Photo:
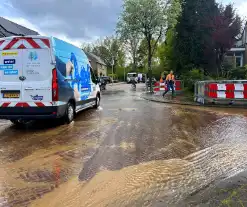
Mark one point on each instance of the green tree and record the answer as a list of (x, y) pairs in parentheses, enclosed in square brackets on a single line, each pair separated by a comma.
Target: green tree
[(190, 35), (205, 31), (142, 54), (109, 49), (148, 18), (167, 52), (225, 27), (131, 41), (87, 47)]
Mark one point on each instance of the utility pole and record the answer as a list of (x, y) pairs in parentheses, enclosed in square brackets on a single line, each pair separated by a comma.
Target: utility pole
[(124, 74), (112, 68)]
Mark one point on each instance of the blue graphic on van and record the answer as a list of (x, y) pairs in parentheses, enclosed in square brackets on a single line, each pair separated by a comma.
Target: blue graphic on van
[(9, 61), (33, 56), (72, 64), (10, 72), (6, 67), (37, 98)]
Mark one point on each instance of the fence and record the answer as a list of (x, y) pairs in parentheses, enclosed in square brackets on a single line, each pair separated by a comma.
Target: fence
[(221, 92), (159, 88)]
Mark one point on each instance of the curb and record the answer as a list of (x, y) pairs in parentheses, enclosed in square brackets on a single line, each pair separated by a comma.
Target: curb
[(193, 104), (169, 102)]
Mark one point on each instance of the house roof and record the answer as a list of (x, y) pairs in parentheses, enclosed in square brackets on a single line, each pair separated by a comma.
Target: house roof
[(93, 57), (10, 28)]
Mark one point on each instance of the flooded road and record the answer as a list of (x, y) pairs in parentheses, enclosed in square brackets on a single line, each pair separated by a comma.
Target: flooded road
[(129, 152)]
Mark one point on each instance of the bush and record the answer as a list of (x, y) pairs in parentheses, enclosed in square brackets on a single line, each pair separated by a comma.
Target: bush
[(191, 77), (238, 73)]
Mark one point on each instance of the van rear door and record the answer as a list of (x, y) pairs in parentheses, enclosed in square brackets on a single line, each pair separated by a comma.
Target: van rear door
[(37, 70), (10, 72), (25, 70)]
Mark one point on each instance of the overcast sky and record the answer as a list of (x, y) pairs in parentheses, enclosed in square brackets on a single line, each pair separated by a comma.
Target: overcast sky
[(75, 21)]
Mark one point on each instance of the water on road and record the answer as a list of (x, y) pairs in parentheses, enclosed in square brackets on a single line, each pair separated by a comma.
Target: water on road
[(129, 152)]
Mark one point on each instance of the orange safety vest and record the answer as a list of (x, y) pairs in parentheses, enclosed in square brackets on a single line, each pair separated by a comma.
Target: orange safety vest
[(169, 77)]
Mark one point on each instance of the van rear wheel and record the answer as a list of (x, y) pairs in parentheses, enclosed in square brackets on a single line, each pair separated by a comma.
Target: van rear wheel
[(70, 113)]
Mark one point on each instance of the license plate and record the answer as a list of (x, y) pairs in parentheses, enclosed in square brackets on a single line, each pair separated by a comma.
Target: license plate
[(11, 95)]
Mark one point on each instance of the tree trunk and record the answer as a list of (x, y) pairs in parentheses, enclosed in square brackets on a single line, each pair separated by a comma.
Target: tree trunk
[(217, 63), (134, 62)]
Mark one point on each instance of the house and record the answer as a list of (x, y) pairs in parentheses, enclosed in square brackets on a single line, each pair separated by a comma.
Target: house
[(9, 28), (237, 55), (97, 64)]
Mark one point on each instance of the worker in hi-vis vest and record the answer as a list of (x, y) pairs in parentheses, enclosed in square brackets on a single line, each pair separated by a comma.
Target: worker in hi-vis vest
[(170, 80), (161, 78)]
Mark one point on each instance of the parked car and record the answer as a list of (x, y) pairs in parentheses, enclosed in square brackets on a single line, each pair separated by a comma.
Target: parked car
[(44, 78), (107, 79), (102, 84)]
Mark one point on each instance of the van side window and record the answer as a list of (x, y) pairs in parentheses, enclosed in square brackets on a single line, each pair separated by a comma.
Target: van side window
[(94, 78)]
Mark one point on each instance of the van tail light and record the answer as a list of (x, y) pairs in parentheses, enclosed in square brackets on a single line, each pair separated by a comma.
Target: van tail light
[(54, 85)]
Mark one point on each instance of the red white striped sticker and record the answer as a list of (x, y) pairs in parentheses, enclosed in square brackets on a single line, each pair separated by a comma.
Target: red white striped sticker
[(24, 43), (25, 104)]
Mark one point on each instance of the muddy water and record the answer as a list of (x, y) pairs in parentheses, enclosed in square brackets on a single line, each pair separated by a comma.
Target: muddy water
[(156, 183), (128, 153)]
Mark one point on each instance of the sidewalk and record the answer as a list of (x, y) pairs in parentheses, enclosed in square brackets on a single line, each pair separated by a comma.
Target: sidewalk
[(180, 99)]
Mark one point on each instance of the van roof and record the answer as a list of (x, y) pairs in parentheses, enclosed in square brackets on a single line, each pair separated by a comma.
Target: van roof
[(32, 36)]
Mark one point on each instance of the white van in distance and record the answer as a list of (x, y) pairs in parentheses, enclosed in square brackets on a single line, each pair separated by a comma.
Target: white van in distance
[(132, 77), (44, 77)]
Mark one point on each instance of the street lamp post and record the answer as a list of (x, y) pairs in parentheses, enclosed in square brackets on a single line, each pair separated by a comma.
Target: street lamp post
[(112, 69), (124, 74)]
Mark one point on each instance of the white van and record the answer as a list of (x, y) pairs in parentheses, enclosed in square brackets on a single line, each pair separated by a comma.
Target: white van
[(44, 77), (132, 77)]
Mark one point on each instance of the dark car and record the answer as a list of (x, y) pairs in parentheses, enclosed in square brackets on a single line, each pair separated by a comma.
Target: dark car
[(102, 84), (107, 79)]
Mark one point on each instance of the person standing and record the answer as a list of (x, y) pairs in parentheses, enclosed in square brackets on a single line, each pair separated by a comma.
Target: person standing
[(161, 78), (170, 79)]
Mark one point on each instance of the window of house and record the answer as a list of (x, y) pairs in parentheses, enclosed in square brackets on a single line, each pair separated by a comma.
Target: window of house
[(239, 62), (238, 53)]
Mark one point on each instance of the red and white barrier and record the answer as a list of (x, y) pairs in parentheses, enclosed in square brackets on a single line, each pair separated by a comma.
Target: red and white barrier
[(227, 90), (161, 87), (217, 91)]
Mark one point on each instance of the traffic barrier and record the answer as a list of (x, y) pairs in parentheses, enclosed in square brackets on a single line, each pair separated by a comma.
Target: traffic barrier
[(221, 92), (159, 88)]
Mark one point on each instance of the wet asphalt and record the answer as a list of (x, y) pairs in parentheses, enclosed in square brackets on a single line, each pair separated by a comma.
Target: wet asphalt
[(128, 152)]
